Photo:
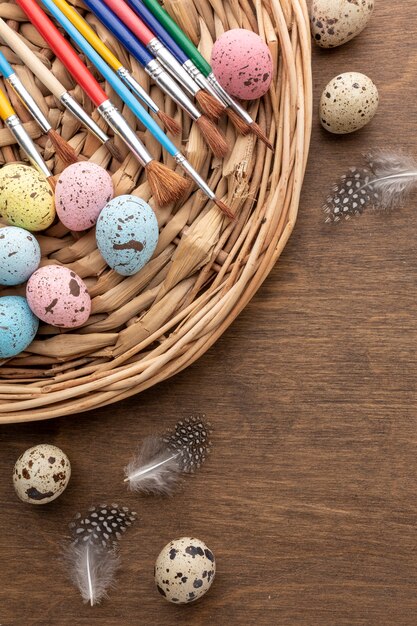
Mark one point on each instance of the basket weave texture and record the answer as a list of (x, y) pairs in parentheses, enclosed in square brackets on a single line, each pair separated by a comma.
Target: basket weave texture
[(147, 327)]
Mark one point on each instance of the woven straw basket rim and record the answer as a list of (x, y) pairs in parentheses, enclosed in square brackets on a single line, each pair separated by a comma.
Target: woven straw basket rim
[(146, 328)]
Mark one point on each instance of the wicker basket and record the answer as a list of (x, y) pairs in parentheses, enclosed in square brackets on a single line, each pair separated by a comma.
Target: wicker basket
[(146, 328)]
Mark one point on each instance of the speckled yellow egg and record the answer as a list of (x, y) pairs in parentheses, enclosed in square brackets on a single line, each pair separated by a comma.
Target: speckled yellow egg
[(41, 474), (348, 103), (26, 198), (334, 22)]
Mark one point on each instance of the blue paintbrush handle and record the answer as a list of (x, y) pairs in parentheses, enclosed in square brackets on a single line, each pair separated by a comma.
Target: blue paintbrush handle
[(112, 79), (5, 67), (156, 27), (120, 31)]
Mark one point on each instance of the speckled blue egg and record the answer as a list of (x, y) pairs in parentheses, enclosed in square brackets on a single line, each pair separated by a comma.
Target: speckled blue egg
[(127, 234), (18, 326), (20, 255)]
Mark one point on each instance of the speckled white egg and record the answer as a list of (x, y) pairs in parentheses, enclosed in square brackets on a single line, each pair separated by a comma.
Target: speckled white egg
[(127, 234), (348, 103), (18, 326), (334, 22), (20, 255), (41, 474), (184, 570)]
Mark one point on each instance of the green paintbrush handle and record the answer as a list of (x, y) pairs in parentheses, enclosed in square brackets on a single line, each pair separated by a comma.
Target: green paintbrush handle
[(177, 34)]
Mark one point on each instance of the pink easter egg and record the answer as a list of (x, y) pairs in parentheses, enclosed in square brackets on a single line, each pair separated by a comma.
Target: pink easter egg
[(82, 190), (58, 296), (242, 64)]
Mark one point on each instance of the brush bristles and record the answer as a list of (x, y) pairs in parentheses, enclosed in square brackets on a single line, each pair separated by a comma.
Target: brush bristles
[(63, 149), (115, 152), (169, 123), (52, 182), (225, 209), (239, 123), (213, 137), (210, 105), (167, 186), (257, 130)]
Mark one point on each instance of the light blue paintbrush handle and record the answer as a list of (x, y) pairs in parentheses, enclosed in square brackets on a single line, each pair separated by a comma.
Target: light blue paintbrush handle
[(112, 79), (5, 67)]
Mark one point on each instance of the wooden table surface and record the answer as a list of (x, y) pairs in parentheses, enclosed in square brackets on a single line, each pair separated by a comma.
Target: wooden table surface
[(309, 497)]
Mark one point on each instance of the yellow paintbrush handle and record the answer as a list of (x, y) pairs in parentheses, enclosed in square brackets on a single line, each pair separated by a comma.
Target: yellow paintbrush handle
[(6, 109), (86, 30)]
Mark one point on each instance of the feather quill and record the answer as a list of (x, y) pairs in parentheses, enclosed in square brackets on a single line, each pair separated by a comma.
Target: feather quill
[(384, 182), (92, 554), (158, 466)]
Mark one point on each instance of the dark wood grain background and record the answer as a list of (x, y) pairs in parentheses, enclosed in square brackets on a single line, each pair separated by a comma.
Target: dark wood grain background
[(309, 498)]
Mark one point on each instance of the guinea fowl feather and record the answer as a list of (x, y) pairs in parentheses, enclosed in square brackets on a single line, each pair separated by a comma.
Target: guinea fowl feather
[(384, 183), (158, 466), (91, 555)]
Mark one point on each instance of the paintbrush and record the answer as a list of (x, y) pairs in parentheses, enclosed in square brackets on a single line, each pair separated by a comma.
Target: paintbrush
[(13, 123), (12, 39), (154, 69), (94, 40), (132, 103), (152, 23), (63, 149), (237, 114), (167, 186), (210, 105)]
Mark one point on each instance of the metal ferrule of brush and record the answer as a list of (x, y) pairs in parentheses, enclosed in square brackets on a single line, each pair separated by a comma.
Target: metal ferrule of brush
[(201, 80), (25, 142), (120, 127), (19, 88), (187, 167), (171, 64), (77, 111), (167, 84), (228, 99), (137, 89)]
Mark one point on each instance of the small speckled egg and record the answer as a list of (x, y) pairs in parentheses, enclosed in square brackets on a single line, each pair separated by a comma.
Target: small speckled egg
[(41, 474), (242, 63), (20, 255), (18, 326), (334, 22), (348, 103), (127, 234), (58, 296), (82, 190), (26, 198), (184, 570)]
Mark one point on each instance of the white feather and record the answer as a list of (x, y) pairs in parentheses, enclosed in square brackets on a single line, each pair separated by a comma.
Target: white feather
[(154, 469), (92, 570)]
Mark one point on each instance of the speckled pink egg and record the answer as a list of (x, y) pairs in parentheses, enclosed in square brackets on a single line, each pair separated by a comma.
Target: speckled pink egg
[(242, 64), (58, 296), (82, 190)]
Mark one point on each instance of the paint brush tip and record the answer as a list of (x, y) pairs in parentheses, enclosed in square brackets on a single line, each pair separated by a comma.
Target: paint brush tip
[(213, 136), (210, 105), (114, 151), (225, 209), (239, 123), (167, 186), (62, 147), (257, 130), (169, 123)]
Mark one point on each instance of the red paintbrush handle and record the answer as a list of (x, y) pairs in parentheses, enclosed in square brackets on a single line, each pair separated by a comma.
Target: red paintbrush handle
[(64, 51), (132, 21)]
